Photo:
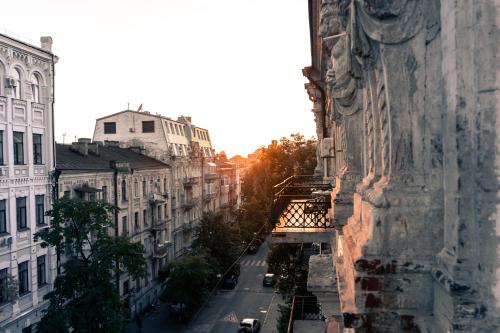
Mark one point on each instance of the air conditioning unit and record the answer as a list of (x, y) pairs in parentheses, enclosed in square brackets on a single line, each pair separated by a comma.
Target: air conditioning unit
[(10, 82), (131, 130)]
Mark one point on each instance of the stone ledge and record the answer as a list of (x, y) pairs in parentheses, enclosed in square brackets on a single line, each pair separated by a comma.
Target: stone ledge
[(321, 277)]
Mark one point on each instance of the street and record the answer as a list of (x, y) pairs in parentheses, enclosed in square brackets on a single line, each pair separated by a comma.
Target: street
[(226, 308), (248, 300)]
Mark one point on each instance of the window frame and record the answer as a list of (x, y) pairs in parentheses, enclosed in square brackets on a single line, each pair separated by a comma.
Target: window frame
[(18, 148), (18, 78), (23, 277), (148, 126), (3, 217), (4, 280), (40, 209), (41, 270), (35, 87), (37, 149), (21, 213), (106, 129), (2, 161)]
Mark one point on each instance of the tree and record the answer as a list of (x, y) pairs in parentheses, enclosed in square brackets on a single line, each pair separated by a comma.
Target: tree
[(188, 281), (282, 260), (278, 161), (219, 240), (84, 297)]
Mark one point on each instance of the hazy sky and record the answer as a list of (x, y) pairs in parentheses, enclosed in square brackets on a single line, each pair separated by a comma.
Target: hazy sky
[(233, 65)]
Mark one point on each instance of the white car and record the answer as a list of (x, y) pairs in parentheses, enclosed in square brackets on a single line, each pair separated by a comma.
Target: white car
[(249, 325)]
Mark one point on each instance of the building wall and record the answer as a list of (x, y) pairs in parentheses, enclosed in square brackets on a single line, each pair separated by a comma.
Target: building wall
[(153, 229), (405, 99), (28, 114)]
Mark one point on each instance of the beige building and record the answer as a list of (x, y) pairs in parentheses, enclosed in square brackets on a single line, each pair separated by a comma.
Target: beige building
[(406, 102), (26, 163), (183, 145), (140, 187)]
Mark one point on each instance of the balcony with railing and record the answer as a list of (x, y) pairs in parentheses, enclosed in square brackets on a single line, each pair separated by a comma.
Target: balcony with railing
[(188, 203), (211, 176), (299, 212), (210, 196), (156, 198), (306, 316), (161, 250), (159, 224), (190, 181)]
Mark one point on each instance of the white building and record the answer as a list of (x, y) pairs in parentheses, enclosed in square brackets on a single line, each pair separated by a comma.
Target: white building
[(26, 161), (185, 146)]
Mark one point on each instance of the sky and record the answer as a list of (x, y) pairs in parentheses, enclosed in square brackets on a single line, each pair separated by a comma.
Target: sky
[(234, 66)]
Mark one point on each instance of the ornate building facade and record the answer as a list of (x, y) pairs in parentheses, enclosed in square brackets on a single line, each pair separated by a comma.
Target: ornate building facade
[(406, 103), (26, 163), (140, 187)]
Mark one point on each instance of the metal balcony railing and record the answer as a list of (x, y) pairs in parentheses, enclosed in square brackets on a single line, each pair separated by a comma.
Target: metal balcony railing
[(189, 181), (160, 251), (301, 202), (156, 198), (304, 308)]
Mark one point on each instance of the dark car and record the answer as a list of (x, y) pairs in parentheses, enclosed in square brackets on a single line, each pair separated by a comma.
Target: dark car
[(249, 325), (179, 311), (268, 280), (252, 249), (230, 282)]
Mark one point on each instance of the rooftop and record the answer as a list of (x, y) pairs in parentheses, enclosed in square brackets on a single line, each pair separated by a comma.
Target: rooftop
[(68, 159)]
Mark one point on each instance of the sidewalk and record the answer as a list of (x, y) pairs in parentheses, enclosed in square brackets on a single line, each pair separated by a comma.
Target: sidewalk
[(271, 320)]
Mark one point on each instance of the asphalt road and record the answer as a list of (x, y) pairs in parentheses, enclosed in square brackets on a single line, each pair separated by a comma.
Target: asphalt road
[(248, 300)]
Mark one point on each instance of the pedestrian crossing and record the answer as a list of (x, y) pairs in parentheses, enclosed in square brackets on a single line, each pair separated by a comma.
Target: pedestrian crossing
[(255, 263)]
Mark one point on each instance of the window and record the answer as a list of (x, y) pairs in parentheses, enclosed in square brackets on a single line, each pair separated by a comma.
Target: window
[(4, 280), (165, 211), (159, 213), (67, 194), (40, 209), (18, 148), (126, 288), (37, 149), (21, 213), (3, 217), (1, 148), (105, 193), (145, 217), (40, 271), (138, 284), (136, 188), (35, 88), (148, 126), (144, 188), (165, 187), (171, 128), (18, 86), (110, 128), (125, 225), (124, 190), (23, 277), (136, 221), (177, 129)]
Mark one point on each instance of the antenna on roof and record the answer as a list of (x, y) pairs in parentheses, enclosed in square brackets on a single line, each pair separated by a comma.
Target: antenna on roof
[(140, 108), (64, 136), (128, 105)]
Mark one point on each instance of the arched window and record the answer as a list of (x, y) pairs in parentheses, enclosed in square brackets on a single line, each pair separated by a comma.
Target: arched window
[(35, 87), (17, 81)]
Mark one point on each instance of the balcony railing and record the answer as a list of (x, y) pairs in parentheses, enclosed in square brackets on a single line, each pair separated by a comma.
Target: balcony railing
[(301, 202), (211, 176), (210, 196), (188, 203), (161, 250), (159, 224), (189, 181), (156, 198), (304, 308)]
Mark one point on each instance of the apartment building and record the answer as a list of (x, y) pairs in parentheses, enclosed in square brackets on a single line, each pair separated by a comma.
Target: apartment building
[(140, 187), (26, 163), (186, 147)]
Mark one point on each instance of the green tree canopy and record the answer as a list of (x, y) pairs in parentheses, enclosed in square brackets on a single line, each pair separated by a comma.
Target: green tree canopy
[(84, 297), (188, 281), (219, 240)]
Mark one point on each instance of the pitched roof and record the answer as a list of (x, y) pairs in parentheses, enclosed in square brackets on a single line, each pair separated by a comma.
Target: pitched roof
[(69, 160)]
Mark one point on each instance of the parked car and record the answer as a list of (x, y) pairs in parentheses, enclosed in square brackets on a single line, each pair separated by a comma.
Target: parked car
[(249, 325), (230, 282), (252, 249), (268, 280)]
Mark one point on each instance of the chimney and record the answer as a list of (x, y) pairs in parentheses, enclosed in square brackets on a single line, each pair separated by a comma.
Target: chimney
[(93, 148), (46, 42), (81, 148), (85, 140)]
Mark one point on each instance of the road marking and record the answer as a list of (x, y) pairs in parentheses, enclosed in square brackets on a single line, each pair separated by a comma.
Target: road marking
[(231, 317), (244, 262)]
